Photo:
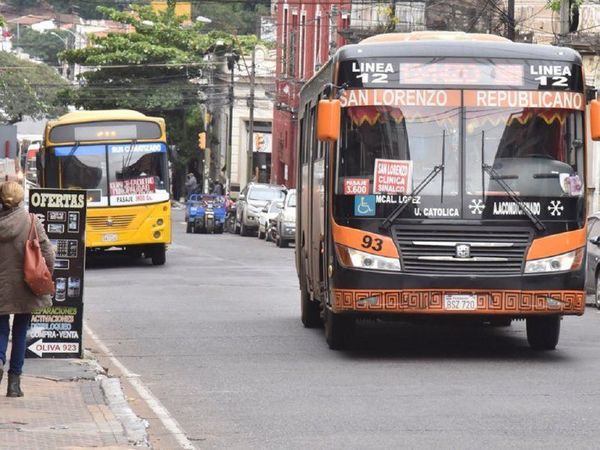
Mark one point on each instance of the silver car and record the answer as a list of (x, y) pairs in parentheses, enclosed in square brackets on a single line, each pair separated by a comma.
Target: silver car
[(286, 220), (250, 203), (268, 213)]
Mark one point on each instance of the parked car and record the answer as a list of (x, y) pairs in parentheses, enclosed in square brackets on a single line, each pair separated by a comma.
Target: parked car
[(250, 203), (592, 278), (286, 220), (270, 211)]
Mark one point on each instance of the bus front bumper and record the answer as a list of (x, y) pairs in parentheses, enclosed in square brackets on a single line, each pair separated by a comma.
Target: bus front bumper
[(515, 296), (128, 226), (488, 302)]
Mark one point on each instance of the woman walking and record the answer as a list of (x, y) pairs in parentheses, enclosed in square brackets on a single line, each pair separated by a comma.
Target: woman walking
[(15, 296)]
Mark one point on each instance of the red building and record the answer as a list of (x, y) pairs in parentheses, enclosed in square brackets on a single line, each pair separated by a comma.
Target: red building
[(307, 33)]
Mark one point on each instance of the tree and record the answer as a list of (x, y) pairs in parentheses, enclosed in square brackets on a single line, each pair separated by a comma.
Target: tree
[(28, 89), (155, 69), (233, 17), (44, 47)]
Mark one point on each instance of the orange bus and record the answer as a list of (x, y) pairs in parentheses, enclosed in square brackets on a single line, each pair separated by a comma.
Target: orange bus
[(442, 174)]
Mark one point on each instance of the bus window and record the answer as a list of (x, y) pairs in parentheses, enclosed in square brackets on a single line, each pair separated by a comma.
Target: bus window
[(535, 151), (426, 136)]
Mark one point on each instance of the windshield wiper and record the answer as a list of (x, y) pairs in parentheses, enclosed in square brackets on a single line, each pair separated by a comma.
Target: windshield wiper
[(498, 178), (69, 160), (422, 185)]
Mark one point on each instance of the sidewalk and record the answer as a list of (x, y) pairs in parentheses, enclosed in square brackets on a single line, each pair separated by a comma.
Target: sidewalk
[(68, 404)]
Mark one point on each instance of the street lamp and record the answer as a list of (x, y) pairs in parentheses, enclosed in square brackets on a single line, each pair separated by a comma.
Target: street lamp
[(65, 42)]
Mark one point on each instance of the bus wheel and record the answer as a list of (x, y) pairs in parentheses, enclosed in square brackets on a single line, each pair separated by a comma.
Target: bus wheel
[(338, 330), (310, 311), (543, 332), (159, 255), (188, 228)]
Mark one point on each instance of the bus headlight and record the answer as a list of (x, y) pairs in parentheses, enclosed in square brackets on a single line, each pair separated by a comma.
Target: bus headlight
[(559, 263), (350, 257)]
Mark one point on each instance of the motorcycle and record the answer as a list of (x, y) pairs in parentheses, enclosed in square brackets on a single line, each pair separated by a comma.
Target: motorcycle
[(271, 235), (230, 219)]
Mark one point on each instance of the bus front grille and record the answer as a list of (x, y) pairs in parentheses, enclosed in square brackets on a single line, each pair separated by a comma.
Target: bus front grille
[(107, 223), (462, 250)]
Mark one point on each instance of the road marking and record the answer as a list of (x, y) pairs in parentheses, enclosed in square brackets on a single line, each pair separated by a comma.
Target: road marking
[(154, 403)]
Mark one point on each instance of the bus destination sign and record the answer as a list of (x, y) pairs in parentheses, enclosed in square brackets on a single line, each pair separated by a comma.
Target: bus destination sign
[(504, 73)]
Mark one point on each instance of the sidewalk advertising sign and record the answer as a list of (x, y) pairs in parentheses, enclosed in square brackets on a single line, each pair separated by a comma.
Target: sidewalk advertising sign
[(56, 331)]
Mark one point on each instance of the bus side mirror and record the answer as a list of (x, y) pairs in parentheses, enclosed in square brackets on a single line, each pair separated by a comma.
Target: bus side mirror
[(595, 120), (329, 119)]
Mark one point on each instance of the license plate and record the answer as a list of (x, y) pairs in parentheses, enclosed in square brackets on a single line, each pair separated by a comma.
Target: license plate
[(110, 237), (460, 302)]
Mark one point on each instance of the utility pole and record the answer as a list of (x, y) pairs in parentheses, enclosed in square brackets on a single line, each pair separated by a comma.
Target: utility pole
[(231, 60), (250, 156), (510, 32), (333, 28), (565, 14)]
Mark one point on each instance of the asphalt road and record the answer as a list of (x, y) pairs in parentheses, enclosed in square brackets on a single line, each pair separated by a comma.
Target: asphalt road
[(216, 336)]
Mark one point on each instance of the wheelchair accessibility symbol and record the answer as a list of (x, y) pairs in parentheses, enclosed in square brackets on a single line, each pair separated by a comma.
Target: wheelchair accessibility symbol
[(364, 205)]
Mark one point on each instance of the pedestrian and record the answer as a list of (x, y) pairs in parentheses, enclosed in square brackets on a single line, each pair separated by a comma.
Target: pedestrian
[(15, 296), (218, 188), (191, 184)]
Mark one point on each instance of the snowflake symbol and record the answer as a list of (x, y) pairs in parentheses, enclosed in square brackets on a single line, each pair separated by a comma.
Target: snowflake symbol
[(477, 206), (555, 207)]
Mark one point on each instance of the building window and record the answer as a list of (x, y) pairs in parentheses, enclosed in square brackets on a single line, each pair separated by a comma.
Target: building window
[(284, 43), (293, 46), (301, 69), (317, 42)]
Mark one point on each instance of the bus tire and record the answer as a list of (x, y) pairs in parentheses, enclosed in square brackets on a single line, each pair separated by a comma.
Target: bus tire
[(310, 311), (543, 332), (188, 228), (338, 330), (159, 255)]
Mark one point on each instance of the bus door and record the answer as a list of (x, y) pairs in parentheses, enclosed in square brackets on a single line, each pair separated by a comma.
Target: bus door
[(318, 215)]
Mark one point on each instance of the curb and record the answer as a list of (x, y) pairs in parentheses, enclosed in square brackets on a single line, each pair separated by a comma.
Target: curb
[(135, 428)]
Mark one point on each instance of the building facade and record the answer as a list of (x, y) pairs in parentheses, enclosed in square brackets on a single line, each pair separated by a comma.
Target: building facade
[(307, 34), (242, 163)]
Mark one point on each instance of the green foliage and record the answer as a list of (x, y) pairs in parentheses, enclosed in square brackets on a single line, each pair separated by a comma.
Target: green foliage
[(43, 46), (233, 17), (84, 8), (153, 69), (554, 5), (28, 89)]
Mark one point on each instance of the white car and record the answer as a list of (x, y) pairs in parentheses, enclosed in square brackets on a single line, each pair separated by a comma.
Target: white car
[(268, 213), (286, 220)]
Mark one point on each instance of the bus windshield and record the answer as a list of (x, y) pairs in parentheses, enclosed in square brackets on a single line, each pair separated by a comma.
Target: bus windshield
[(422, 137), (460, 159), (117, 173), (536, 152)]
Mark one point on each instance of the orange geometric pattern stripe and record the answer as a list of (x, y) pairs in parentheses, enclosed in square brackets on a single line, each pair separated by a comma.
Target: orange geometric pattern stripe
[(428, 301)]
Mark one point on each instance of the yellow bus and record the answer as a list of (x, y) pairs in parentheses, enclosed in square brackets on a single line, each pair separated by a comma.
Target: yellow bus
[(120, 158)]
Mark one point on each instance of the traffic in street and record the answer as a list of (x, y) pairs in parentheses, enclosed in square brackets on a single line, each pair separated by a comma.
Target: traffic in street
[(215, 335)]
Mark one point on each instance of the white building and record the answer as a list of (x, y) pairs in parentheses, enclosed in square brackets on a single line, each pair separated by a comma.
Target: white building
[(242, 168)]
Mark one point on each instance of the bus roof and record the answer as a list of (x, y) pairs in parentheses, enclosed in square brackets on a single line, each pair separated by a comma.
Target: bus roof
[(434, 36), (453, 44), (101, 115)]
